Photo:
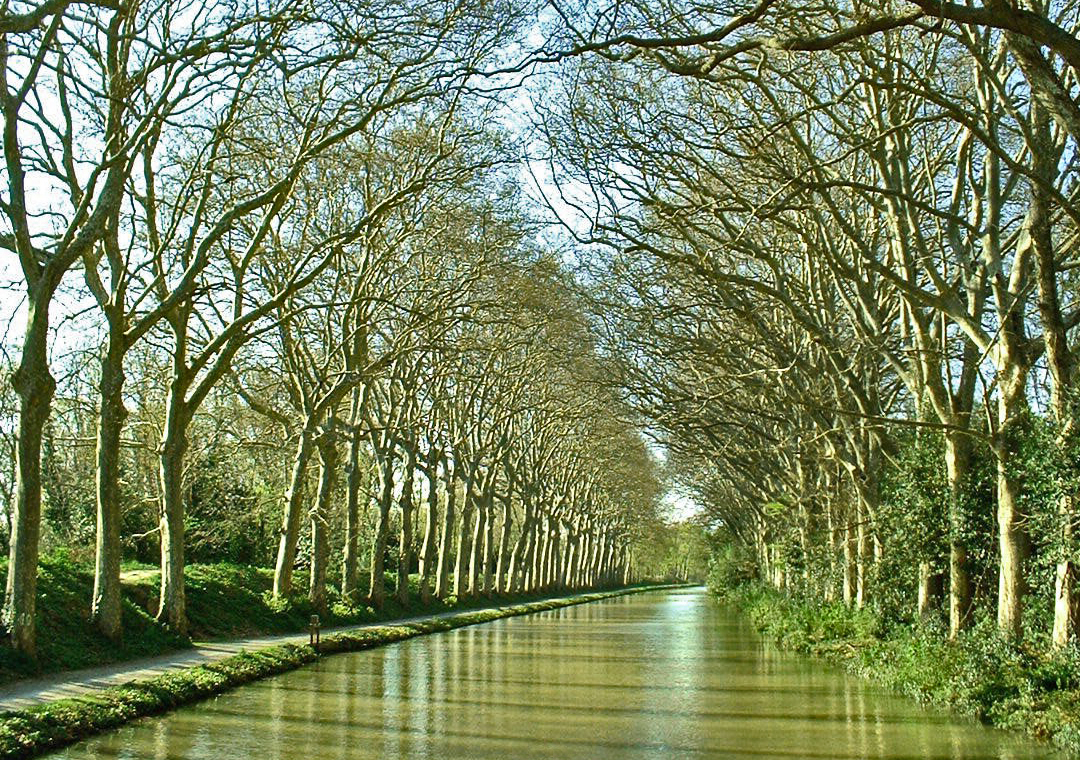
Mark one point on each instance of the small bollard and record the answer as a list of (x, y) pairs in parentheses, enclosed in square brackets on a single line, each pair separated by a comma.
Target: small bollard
[(313, 633)]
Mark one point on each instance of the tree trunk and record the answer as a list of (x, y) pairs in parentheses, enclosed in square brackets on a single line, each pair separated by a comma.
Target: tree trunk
[(446, 540), (35, 386), (350, 564), (502, 571), (464, 548), (566, 571), (1060, 362), (958, 469), (603, 570), (849, 562), (489, 544), (593, 560), (428, 570), (377, 580), (105, 606), (320, 544), (581, 551), (930, 583), (518, 554), (172, 610), (1013, 542), (476, 545), (862, 555), (528, 575), (290, 521), (543, 535), (1065, 602), (405, 543), (556, 556), (833, 549)]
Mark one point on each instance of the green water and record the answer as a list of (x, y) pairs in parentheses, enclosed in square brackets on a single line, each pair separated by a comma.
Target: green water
[(656, 675)]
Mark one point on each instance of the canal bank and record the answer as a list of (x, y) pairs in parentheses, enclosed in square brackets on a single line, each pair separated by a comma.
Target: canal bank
[(667, 674), (1019, 686), (37, 729)]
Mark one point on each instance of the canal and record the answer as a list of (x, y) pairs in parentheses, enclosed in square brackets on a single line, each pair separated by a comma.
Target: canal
[(657, 675)]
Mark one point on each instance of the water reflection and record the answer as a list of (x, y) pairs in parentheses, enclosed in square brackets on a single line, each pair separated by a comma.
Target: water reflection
[(659, 675)]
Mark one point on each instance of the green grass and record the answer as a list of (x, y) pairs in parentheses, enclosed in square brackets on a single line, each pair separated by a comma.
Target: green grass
[(1003, 683), (66, 637), (33, 731), (224, 601)]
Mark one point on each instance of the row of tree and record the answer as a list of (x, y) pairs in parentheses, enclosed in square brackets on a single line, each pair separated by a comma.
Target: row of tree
[(309, 208), (837, 249)]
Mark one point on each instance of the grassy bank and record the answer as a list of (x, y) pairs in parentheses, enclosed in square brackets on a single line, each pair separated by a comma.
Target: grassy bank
[(223, 601), (33, 731), (1008, 685)]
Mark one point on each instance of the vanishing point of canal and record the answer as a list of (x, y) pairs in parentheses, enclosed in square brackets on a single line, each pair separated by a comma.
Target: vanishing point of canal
[(656, 675)]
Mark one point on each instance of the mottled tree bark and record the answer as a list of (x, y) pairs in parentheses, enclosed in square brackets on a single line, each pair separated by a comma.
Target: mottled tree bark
[(172, 608), (1013, 541), (476, 544), (428, 550), (464, 544), (105, 604), (518, 555), (489, 544), (34, 385), (350, 561), (528, 572), (502, 571), (957, 470), (405, 542), (849, 561), (377, 579), (320, 544), (446, 539), (1061, 363), (289, 535)]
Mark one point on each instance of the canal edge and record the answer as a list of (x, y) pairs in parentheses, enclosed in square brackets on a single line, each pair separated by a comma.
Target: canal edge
[(33, 731)]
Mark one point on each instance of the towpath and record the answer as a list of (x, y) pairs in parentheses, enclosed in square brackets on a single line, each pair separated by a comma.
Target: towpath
[(73, 683)]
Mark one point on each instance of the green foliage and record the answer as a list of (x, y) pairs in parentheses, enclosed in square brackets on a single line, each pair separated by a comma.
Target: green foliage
[(915, 490), (731, 566), (230, 517), (913, 521), (674, 551), (802, 625), (67, 484)]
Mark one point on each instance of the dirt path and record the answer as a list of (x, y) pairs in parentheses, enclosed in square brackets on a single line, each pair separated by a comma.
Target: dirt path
[(74, 683)]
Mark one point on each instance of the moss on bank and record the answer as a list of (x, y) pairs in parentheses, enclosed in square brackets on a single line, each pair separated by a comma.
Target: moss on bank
[(1005, 684), (35, 730)]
